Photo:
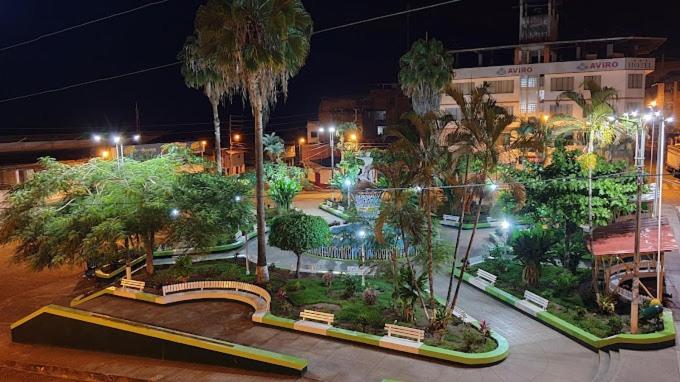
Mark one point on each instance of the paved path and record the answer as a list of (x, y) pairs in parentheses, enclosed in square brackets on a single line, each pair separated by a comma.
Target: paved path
[(331, 360)]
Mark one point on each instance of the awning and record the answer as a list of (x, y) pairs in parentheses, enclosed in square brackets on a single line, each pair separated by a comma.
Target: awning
[(618, 239)]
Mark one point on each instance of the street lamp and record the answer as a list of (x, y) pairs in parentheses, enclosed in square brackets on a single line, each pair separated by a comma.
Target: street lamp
[(238, 199), (348, 184), (331, 134), (174, 212), (362, 236)]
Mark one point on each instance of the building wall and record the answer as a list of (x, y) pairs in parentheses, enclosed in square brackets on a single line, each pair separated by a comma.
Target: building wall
[(534, 95)]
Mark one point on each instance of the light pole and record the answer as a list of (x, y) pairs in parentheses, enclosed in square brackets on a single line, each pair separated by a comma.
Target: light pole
[(639, 164), (301, 142), (238, 199), (659, 201), (331, 134), (348, 184), (118, 141), (362, 235)]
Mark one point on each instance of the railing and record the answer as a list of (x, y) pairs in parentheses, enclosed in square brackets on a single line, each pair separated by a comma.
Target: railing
[(354, 253), (625, 271)]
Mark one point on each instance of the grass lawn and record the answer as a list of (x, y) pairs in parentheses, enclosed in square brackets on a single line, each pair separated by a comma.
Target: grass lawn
[(569, 295), (345, 298)]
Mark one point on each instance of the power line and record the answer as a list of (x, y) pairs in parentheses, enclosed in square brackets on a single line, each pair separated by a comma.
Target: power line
[(73, 27), (89, 82), (177, 62), (386, 16)]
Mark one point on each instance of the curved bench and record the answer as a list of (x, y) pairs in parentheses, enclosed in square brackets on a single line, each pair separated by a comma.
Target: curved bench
[(249, 294)]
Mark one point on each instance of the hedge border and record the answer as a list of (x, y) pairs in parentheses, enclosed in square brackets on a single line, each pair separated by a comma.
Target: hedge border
[(334, 212), (649, 341)]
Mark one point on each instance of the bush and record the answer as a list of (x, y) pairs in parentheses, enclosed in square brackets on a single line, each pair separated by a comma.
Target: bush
[(370, 296), (472, 339), (231, 272), (328, 279), (293, 286), (351, 286), (615, 324), (564, 283)]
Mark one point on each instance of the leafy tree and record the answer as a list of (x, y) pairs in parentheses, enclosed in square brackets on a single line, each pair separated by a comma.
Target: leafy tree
[(209, 204), (273, 146), (531, 247), (257, 45), (200, 72), (299, 233), (408, 290), (424, 72)]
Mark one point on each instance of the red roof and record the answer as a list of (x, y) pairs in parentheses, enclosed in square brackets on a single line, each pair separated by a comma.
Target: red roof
[(619, 238)]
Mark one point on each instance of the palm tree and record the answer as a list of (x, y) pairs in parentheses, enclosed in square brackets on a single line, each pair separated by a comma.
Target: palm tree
[(199, 72), (424, 72), (420, 139), (273, 146), (478, 134), (257, 46)]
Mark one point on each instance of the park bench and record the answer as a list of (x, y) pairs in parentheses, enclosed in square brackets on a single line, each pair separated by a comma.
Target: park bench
[(536, 299), (405, 332), (317, 316), (486, 276), (341, 208), (132, 284), (450, 220)]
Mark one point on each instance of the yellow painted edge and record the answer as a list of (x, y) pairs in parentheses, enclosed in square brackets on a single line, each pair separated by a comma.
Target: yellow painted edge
[(165, 334), (79, 300)]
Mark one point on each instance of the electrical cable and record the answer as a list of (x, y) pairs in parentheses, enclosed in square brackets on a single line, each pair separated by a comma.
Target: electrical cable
[(73, 27)]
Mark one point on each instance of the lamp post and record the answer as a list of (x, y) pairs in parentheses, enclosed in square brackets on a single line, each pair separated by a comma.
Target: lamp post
[(238, 199), (301, 142), (362, 236), (348, 184), (118, 141), (331, 134), (639, 164), (658, 200)]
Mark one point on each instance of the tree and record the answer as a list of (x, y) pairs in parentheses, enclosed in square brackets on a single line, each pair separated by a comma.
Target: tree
[(200, 73), (299, 233), (477, 133), (531, 247), (424, 72), (257, 45), (97, 212), (273, 146), (285, 182)]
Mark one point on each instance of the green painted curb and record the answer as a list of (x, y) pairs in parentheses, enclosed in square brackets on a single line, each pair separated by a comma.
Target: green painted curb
[(656, 340), (334, 212), (217, 248), (350, 335), (281, 322)]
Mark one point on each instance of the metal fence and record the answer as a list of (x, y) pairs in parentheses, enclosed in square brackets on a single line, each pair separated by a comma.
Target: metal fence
[(354, 253)]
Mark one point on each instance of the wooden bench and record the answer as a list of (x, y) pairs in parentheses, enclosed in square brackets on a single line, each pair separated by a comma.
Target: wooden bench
[(317, 316), (486, 276), (218, 285), (536, 299), (404, 332), (341, 208), (132, 284), (450, 220)]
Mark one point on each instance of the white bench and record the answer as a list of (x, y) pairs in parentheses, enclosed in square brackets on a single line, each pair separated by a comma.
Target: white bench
[(328, 203), (536, 299), (132, 284), (317, 316), (486, 276), (405, 332), (341, 208), (450, 220), (218, 285)]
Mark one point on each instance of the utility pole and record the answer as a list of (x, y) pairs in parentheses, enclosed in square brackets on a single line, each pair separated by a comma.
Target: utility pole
[(230, 135), (639, 164)]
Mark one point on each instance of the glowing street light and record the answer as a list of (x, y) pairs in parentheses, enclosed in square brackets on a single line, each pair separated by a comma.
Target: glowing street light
[(505, 225), (136, 137), (97, 138), (493, 187), (301, 141), (353, 137), (105, 154), (174, 212), (348, 184), (237, 198), (237, 137), (418, 189)]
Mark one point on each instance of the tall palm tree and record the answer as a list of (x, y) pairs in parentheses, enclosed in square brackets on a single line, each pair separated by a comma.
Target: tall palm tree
[(273, 146), (257, 46), (478, 133), (420, 139), (424, 72), (200, 73)]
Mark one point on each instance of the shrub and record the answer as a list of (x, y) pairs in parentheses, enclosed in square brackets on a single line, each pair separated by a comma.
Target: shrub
[(615, 324), (370, 296), (607, 304), (564, 282), (328, 279), (281, 294), (485, 329), (362, 321), (471, 339), (351, 286)]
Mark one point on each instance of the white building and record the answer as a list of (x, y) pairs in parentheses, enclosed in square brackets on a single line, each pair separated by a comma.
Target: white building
[(533, 90)]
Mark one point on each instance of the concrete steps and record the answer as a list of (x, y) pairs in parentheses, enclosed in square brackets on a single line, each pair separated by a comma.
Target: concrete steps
[(608, 367)]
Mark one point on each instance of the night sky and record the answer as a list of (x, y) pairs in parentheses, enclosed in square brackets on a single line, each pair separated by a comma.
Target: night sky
[(341, 62)]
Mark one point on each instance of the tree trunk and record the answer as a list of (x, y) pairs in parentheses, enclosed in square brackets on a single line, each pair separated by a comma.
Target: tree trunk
[(148, 248), (430, 267), (297, 267), (218, 142), (458, 235), (261, 271), (468, 250)]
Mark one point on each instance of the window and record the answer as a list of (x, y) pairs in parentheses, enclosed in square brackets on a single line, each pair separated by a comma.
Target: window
[(464, 87), (561, 84), (381, 130), (502, 86), (380, 115), (587, 80), (528, 82), (563, 108), (314, 134), (527, 108), (635, 81)]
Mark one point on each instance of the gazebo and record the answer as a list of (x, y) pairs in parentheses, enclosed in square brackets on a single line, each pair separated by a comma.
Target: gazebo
[(613, 249)]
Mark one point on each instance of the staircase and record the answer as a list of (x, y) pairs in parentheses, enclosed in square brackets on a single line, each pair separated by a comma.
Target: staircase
[(608, 368)]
